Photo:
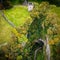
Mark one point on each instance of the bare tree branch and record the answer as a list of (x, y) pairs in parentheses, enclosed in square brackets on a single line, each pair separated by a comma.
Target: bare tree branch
[(35, 54)]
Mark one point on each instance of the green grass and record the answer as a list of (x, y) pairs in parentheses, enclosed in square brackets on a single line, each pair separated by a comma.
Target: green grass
[(18, 15), (5, 31)]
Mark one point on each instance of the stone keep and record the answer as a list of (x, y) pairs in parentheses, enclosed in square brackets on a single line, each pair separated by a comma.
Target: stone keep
[(30, 6)]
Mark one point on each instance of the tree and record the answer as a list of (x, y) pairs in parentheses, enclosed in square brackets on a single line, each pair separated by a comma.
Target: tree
[(38, 14), (45, 22)]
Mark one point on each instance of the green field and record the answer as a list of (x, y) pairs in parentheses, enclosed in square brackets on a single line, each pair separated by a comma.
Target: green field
[(18, 15)]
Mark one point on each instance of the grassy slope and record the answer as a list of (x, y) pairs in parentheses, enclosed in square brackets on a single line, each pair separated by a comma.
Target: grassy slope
[(4, 31), (18, 15)]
